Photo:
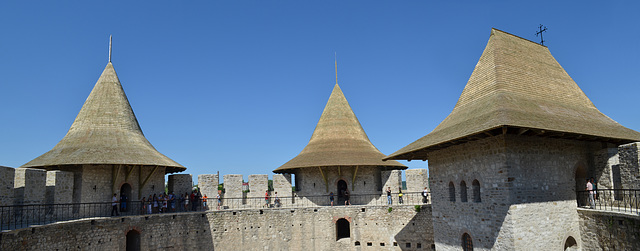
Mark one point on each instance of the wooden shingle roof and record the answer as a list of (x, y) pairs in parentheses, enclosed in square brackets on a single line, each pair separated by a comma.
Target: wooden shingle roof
[(105, 131), (338, 140), (517, 86)]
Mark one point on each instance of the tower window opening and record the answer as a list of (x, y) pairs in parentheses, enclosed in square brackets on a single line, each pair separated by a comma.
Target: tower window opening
[(463, 191), (452, 192), (476, 191)]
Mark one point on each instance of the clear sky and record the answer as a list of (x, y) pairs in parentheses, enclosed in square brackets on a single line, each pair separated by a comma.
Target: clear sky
[(238, 86)]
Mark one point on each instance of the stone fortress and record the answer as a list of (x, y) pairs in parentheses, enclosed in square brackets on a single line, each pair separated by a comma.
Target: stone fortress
[(504, 169)]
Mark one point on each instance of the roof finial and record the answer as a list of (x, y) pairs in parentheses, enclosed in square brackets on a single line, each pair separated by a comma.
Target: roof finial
[(336, 61), (540, 32), (110, 39)]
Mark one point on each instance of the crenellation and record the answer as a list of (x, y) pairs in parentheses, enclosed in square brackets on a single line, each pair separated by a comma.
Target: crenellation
[(208, 184), (391, 179), (179, 184), (7, 194), (282, 185), (59, 187), (29, 186), (258, 184), (629, 169), (232, 186)]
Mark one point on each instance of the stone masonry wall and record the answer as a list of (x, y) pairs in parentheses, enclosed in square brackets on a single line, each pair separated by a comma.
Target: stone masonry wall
[(29, 186), (179, 184), (605, 160), (370, 228), (59, 187), (208, 184), (7, 175), (527, 192), (282, 185), (630, 165), (609, 231)]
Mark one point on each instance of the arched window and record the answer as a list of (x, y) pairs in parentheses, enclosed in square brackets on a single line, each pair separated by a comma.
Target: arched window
[(342, 229), (452, 192), (463, 191), (133, 240), (570, 244), (467, 244), (476, 191)]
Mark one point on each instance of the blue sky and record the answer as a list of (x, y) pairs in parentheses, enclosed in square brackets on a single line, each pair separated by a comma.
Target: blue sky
[(238, 86)]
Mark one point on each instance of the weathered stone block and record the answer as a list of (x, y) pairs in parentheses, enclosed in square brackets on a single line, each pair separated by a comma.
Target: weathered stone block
[(208, 184)]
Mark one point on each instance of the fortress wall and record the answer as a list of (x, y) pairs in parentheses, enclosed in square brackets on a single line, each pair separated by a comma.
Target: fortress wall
[(7, 176), (59, 187), (29, 186), (417, 180), (179, 184), (371, 228), (96, 182), (629, 177), (208, 184), (188, 231), (609, 230)]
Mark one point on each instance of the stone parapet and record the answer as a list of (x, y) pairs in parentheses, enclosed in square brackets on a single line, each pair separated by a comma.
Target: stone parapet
[(208, 184), (391, 179), (417, 180), (232, 186), (7, 175), (258, 184), (179, 184), (29, 186), (59, 187)]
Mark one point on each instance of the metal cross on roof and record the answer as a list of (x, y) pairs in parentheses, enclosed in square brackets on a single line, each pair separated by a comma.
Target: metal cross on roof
[(541, 30)]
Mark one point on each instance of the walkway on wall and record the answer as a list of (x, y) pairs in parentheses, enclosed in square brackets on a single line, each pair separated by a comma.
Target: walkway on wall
[(611, 200), (22, 216)]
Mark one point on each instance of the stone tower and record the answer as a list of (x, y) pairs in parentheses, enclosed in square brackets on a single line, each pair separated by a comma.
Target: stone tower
[(106, 149), (338, 156), (505, 164)]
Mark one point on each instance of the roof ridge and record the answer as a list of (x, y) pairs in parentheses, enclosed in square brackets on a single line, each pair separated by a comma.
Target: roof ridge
[(518, 37)]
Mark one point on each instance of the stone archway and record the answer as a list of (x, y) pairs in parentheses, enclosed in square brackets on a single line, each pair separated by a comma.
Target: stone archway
[(133, 240), (570, 244), (125, 197), (343, 230)]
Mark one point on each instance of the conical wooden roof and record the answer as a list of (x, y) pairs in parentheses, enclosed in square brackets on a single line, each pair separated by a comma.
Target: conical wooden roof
[(105, 131), (338, 140), (518, 84)]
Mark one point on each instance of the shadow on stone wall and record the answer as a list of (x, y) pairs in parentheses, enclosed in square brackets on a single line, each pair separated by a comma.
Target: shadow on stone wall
[(417, 234)]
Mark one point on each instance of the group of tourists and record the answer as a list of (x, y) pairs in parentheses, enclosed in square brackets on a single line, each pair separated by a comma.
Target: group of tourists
[(162, 203)]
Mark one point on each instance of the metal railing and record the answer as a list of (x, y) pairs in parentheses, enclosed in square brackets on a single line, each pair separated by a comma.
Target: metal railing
[(620, 200), (22, 216)]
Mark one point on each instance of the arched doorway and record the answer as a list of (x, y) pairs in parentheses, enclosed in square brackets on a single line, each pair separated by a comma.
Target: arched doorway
[(570, 244), (342, 187), (133, 240), (342, 229), (125, 197), (467, 243)]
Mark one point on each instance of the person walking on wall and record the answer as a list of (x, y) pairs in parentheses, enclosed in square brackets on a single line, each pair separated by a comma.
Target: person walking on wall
[(266, 199), (186, 202), (114, 205), (219, 200), (389, 201), (277, 200), (346, 197), (331, 198), (592, 203), (595, 188), (400, 195), (425, 193)]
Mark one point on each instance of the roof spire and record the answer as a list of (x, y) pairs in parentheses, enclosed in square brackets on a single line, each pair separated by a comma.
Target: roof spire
[(110, 39), (336, 61)]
